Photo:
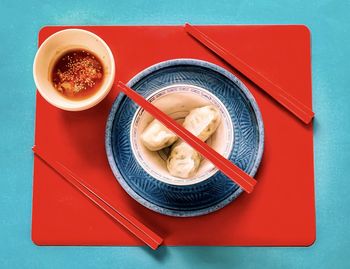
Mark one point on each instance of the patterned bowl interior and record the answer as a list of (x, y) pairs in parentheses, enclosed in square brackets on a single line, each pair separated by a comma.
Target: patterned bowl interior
[(206, 196)]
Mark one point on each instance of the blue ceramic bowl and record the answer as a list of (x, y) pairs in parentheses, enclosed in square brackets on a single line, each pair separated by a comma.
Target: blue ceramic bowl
[(208, 195)]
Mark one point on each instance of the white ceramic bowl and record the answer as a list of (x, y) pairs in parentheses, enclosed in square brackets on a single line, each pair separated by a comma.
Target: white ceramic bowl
[(176, 101), (56, 45)]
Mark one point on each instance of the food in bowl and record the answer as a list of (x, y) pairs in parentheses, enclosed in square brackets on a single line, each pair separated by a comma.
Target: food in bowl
[(156, 136), (177, 100), (203, 121), (183, 161), (77, 74), (70, 93)]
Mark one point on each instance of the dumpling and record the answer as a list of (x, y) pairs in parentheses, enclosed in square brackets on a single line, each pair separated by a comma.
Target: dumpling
[(183, 160), (156, 136), (203, 121)]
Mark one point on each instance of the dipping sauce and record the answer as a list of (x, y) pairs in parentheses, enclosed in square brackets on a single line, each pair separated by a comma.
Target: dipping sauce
[(77, 74)]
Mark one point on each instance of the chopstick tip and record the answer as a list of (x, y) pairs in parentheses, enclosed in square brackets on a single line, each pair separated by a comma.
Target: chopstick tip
[(308, 119), (155, 247), (188, 27)]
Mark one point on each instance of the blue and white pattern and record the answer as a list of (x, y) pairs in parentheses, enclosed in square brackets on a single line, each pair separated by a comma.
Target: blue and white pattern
[(213, 193)]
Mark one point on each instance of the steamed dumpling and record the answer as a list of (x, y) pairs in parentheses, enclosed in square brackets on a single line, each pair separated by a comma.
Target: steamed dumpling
[(203, 121), (183, 160), (156, 136)]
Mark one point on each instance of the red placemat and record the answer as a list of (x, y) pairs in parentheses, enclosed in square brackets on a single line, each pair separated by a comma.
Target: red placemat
[(280, 211)]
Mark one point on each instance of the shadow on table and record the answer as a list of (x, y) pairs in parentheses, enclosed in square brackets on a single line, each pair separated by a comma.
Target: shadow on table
[(159, 255), (197, 255)]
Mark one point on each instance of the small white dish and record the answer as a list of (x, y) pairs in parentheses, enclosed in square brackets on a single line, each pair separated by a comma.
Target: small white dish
[(54, 47), (176, 101)]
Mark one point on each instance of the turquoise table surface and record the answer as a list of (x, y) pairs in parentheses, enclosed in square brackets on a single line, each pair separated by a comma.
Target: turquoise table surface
[(329, 22)]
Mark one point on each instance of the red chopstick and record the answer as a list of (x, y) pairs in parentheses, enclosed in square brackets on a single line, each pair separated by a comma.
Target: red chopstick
[(245, 181), (129, 222), (300, 110)]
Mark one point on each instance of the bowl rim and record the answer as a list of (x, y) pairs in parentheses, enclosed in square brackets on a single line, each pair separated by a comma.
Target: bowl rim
[(109, 125), (171, 180), (107, 86)]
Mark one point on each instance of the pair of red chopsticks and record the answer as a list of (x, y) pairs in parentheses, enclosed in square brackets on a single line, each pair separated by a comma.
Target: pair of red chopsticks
[(232, 171), (129, 222), (281, 96)]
